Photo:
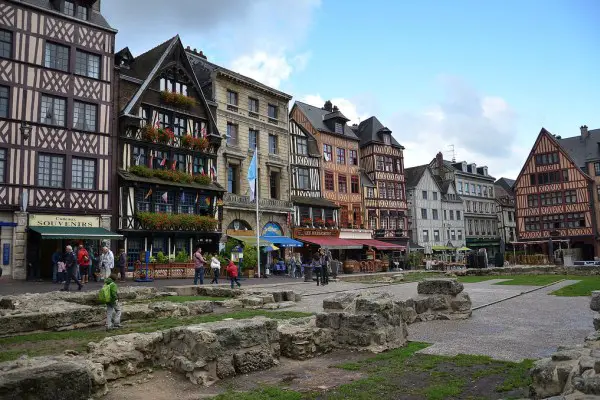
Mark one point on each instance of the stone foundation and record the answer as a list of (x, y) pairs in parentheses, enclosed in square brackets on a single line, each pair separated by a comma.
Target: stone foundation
[(530, 270), (440, 299)]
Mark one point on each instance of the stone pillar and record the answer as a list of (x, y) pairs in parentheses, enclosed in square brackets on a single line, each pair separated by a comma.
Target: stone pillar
[(105, 222), (19, 265)]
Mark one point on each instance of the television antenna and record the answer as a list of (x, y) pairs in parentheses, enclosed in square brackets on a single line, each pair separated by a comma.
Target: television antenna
[(453, 151)]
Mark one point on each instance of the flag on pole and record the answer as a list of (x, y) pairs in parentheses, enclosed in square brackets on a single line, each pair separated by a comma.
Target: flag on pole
[(174, 165), (148, 194), (163, 162), (151, 158), (189, 167), (203, 132), (213, 172), (182, 198), (196, 202), (137, 159), (165, 197), (202, 171), (252, 177)]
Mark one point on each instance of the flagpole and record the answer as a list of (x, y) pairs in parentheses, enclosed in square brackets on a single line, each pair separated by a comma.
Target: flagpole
[(256, 190)]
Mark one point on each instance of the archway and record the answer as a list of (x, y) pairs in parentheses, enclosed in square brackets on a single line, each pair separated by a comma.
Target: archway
[(272, 229), (239, 225)]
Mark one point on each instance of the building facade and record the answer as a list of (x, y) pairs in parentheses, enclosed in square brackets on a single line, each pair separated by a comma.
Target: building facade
[(436, 212), (382, 159), (250, 115), (167, 195), (56, 171), (507, 221), (555, 192), (476, 188)]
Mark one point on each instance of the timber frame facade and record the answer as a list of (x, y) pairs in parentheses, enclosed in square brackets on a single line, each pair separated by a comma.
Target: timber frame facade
[(56, 136), (553, 196), (167, 193)]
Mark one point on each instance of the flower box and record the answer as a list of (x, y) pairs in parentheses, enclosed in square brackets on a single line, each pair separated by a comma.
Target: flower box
[(307, 221), (203, 179), (150, 133), (177, 99), (165, 136), (200, 144), (176, 222)]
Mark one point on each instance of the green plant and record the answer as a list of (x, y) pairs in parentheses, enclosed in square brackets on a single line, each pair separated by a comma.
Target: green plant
[(187, 141), (183, 222), (250, 257), (177, 99), (415, 258), (142, 171), (150, 133), (202, 179), (161, 258)]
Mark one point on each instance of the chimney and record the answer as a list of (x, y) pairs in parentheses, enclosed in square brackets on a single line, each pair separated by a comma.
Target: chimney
[(188, 48), (328, 106), (335, 108), (201, 54), (439, 159), (584, 131)]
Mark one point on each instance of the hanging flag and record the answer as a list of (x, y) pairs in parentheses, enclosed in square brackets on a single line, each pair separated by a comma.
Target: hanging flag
[(137, 159), (252, 177), (165, 197), (204, 132), (189, 167), (163, 162), (148, 194), (196, 202), (213, 172), (174, 165), (151, 158), (202, 171), (182, 200)]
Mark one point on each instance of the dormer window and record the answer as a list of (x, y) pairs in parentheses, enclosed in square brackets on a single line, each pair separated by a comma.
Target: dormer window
[(171, 85), (75, 10), (386, 139), (339, 128)]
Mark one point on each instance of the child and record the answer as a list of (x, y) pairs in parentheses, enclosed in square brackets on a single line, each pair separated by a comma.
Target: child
[(113, 307), (232, 270)]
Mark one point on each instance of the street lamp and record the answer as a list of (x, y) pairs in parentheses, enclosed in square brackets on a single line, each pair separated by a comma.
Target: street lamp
[(25, 130)]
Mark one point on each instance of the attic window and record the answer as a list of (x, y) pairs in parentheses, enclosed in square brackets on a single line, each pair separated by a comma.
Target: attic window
[(339, 128), (75, 10), (171, 85), (386, 139)]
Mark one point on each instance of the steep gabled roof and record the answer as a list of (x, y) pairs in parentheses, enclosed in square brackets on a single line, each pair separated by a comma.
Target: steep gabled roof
[(413, 175), (313, 147), (371, 130), (316, 117), (365, 180), (582, 149), (506, 185), (94, 17)]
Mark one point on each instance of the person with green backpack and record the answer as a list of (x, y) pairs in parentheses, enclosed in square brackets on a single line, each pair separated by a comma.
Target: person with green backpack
[(109, 295)]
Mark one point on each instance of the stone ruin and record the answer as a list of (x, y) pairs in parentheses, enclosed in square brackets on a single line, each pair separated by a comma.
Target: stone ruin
[(206, 353), (573, 372)]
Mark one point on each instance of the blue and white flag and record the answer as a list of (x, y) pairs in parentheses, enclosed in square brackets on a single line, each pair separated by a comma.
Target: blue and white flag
[(252, 177)]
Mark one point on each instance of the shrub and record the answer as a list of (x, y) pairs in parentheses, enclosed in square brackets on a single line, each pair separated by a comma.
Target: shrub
[(177, 99), (203, 179), (177, 222), (161, 258), (250, 257), (182, 257)]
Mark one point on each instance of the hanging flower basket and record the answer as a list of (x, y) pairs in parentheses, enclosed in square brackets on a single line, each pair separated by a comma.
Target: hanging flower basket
[(177, 99), (165, 136), (150, 133), (200, 144), (187, 141)]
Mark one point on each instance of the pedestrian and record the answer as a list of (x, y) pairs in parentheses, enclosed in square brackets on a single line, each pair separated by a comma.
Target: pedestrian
[(316, 267), (56, 258), (107, 263), (109, 294), (199, 262), (232, 270), (325, 267), (83, 260), (71, 267), (215, 264), (122, 263), (93, 263)]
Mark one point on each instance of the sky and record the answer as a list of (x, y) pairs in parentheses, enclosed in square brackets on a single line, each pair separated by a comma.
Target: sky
[(473, 79)]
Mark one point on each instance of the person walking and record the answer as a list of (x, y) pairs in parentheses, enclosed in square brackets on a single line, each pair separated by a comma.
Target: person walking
[(113, 307), (215, 264), (325, 265), (232, 270), (71, 267), (107, 263), (56, 258), (122, 263), (316, 267), (199, 262), (83, 259)]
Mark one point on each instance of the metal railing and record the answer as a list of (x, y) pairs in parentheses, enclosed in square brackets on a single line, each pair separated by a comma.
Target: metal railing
[(232, 199)]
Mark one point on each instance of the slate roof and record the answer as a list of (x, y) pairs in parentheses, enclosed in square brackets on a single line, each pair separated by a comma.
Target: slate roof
[(506, 185), (95, 18), (413, 175), (316, 117), (582, 150), (370, 131), (313, 146), (365, 180), (314, 201), (128, 176), (458, 170), (337, 114), (143, 64)]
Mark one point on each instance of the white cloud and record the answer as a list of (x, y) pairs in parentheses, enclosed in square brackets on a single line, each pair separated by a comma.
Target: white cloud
[(269, 69), (347, 107)]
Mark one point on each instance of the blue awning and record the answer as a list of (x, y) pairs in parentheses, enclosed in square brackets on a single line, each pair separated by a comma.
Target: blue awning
[(282, 241), (13, 224)]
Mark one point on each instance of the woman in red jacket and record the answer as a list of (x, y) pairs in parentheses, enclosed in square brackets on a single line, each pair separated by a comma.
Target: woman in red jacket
[(232, 270)]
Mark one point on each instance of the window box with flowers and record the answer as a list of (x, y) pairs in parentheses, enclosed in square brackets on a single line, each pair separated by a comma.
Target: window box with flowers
[(190, 142), (319, 222), (306, 221), (165, 136), (176, 222), (150, 133), (169, 175), (177, 99), (330, 223)]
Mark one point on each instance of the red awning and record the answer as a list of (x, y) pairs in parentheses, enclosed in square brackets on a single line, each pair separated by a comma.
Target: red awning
[(379, 244), (331, 242)]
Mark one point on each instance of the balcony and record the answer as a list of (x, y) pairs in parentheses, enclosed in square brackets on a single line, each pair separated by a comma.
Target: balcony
[(161, 222), (236, 200), (136, 133), (389, 233)]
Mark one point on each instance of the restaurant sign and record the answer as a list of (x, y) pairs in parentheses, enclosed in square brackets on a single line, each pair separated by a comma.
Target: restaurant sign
[(69, 221), (316, 232)]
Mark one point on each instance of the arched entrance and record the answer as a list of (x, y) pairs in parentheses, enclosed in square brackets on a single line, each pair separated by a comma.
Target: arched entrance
[(239, 225), (272, 229)]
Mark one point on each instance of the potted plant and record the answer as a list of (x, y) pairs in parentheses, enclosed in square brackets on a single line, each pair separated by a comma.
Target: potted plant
[(187, 141), (177, 99), (330, 223), (250, 260), (165, 136), (306, 221), (149, 133), (319, 222), (200, 144), (202, 179)]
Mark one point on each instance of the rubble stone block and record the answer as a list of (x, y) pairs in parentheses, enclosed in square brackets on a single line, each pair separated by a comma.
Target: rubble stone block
[(595, 302), (462, 302), (440, 286), (439, 302), (199, 307), (189, 290), (277, 296), (253, 360), (339, 301), (267, 298), (252, 301), (289, 295)]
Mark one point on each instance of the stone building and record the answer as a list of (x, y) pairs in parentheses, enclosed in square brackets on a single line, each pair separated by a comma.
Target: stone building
[(250, 115), (436, 212), (507, 221), (56, 138)]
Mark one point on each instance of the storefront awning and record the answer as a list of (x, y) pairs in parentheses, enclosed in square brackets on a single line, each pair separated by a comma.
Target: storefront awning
[(379, 245), (65, 232), (442, 248), (251, 240), (282, 241), (332, 243)]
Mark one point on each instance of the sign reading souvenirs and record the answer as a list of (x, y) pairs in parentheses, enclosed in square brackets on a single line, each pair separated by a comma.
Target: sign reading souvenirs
[(64, 221), (315, 232)]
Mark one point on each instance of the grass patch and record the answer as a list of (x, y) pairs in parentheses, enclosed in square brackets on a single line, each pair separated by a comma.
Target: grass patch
[(475, 279), (265, 393), (584, 286)]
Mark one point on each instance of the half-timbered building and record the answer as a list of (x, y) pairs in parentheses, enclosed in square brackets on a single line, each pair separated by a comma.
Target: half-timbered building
[(167, 195), (56, 68), (555, 192), (382, 159), (310, 207)]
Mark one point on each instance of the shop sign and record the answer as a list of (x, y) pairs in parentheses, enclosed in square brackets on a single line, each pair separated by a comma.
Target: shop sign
[(273, 229), (70, 221), (316, 232), (234, 232)]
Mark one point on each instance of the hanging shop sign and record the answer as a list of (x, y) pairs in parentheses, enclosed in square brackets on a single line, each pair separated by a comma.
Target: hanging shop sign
[(71, 221)]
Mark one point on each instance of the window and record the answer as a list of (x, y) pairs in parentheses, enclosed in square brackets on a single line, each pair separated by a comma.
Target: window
[(470, 226), (82, 13), (434, 214), (252, 139), (436, 236), (532, 179), (139, 156), (354, 188), (302, 146), (423, 213), (480, 207), (232, 100), (273, 146), (342, 184), (53, 110), (164, 120), (160, 159), (570, 196), (327, 152), (2, 165), (69, 8), (565, 175), (329, 181), (253, 107), (550, 199), (352, 157), (473, 189), (460, 187), (379, 163), (232, 134), (435, 194), (532, 223), (83, 173), (451, 215), (179, 125), (445, 215), (303, 178), (87, 64), (382, 191), (371, 192), (4, 101), (425, 236), (386, 139), (341, 156), (232, 179), (477, 226), (468, 206), (339, 128), (553, 222), (390, 190), (424, 194), (198, 165), (388, 164), (459, 234), (532, 200), (179, 160), (485, 191), (510, 216), (274, 184), (160, 205), (546, 159), (398, 165), (453, 235), (576, 220), (479, 190), (546, 178), (398, 190), (172, 85), (457, 215), (466, 187), (56, 57), (84, 116), (51, 169), (5, 44), (273, 113)]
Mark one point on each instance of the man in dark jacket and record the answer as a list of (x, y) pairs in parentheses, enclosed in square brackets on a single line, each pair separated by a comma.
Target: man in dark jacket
[(71, 266)]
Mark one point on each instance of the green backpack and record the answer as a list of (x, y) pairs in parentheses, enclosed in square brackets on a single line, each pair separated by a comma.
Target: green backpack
[(104, 294)]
